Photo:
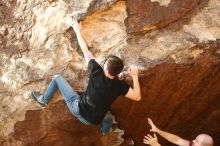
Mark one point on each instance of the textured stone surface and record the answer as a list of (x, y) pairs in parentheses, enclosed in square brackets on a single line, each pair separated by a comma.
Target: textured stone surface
[(169, 36), (148, 15), (35, 46), (162, 2), (56, 126), (175, 41)]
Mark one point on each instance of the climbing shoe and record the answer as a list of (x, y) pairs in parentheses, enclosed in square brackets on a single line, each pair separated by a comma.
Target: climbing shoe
[(37, 97)]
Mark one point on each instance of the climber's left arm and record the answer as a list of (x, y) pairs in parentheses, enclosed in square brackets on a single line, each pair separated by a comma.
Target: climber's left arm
[(135, 93), (82, 43)]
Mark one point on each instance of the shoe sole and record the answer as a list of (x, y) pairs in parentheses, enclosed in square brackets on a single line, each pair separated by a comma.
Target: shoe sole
[(35, 99)]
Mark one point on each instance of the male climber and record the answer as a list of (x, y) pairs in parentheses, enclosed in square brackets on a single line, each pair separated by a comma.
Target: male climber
[(103, 88)]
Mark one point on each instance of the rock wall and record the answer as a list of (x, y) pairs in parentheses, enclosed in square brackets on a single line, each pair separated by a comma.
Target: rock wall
[(56, 126), (175, 44), (182, 99)]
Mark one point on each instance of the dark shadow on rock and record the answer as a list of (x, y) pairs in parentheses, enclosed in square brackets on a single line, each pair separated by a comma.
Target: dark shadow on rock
[(56, 126), (146, 16), (181, 98)]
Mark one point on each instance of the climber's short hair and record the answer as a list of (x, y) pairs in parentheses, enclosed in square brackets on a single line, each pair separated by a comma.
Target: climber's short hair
[(114, 65)]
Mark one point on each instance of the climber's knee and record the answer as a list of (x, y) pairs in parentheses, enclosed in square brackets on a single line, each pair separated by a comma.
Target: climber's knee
[(56, 76)]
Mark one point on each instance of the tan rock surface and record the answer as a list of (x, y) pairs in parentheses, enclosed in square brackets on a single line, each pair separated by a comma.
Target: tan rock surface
[(36, 42)]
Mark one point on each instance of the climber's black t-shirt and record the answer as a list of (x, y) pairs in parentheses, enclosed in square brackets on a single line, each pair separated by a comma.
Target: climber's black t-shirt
[(100, 94)]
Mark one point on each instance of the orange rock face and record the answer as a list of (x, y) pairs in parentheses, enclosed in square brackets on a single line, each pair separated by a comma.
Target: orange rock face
[(183, 99)]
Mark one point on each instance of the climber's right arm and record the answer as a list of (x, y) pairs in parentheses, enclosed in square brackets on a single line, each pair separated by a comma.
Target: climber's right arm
[(82, 43)]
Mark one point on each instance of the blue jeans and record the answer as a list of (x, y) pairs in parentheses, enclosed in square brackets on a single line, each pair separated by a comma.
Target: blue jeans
[(72, 99), (70, 96), (106, 123)]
